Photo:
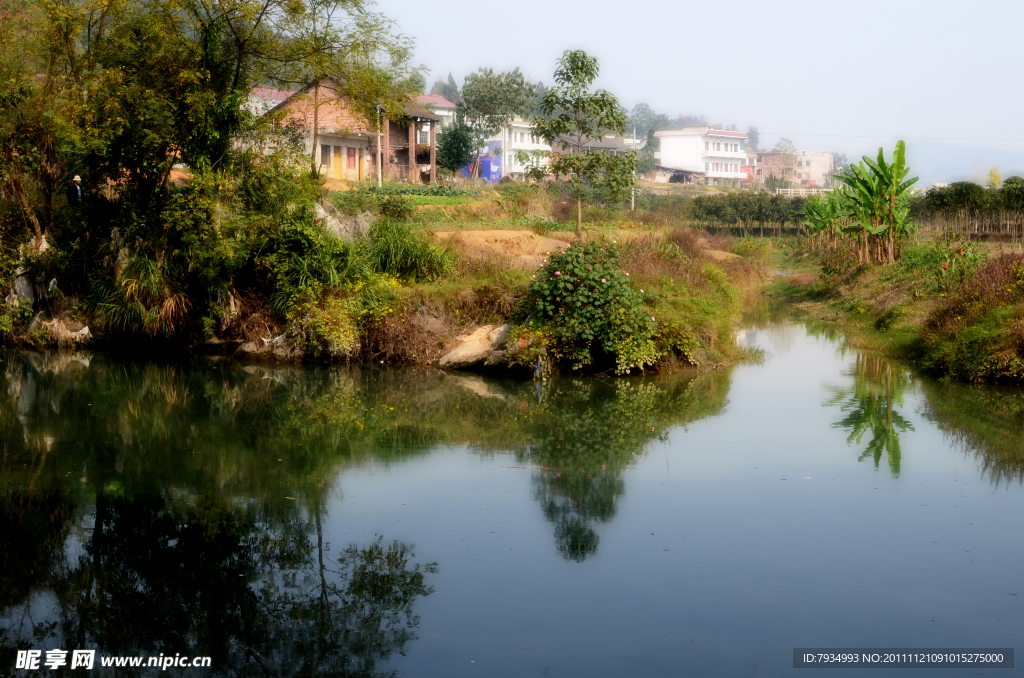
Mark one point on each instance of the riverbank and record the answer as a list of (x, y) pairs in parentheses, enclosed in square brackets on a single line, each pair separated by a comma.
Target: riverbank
[(406, 275), (951, 308)]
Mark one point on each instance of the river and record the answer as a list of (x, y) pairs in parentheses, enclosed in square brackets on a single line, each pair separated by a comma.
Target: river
[(375, 521)]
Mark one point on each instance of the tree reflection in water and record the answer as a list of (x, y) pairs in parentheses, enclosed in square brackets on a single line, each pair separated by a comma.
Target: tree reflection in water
[(985, 421), (152, 508), (140, 514), (587, 432), (870, 404)]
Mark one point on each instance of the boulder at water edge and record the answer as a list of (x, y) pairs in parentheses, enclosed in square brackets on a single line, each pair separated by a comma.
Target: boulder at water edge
[(476, 347)]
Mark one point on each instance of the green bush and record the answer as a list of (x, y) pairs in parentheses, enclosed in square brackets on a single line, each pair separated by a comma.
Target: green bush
[(299, 260), (395, 207), (838, 259), (756, 249), (437, 190), (396, 249), (351, 203), (585, 301)]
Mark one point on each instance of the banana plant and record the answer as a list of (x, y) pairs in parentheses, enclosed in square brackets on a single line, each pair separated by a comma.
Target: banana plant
[(894, 187)]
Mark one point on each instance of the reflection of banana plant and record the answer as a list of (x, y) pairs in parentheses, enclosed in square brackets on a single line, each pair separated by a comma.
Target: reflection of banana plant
[(870, 405)]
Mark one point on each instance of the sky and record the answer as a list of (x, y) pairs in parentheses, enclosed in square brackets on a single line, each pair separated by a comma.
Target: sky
[(845, 77)]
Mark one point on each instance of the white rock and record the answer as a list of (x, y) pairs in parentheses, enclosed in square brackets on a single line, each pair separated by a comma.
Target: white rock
[(476, 347)]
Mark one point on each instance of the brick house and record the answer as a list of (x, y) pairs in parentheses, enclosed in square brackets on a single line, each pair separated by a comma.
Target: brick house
[(346, 141)]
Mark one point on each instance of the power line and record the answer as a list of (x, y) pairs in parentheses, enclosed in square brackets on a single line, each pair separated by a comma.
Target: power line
[(885, 136)]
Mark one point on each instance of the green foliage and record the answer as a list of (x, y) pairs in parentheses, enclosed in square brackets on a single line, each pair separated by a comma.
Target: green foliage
[(584, 301), (755, 249), (328, 326), (456, 145), (436, 190), (396, 249), (395, 207), (571, 116), (837, 259), (300, 261)]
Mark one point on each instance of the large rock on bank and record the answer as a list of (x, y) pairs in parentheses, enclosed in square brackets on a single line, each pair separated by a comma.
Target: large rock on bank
[(476, 347), (340, 226)]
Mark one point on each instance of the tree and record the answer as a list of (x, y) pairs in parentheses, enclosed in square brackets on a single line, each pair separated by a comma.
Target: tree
[(690, 121), (455, 145), (490, 101), (646, 121), (449, 90), (753, 138), (572, 116), (994, 179), (784, 145)]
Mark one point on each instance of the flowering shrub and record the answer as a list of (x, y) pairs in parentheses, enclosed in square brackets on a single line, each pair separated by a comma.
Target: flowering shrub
[(837, 259), (587, 301)]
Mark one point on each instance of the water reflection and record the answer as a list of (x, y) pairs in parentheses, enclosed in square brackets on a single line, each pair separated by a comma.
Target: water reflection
[(986, 421), (587, 432), (151, 508), (871, 406)]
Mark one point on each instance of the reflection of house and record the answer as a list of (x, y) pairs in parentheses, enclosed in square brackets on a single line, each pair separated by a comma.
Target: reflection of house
[(347, 142), (703, 155)]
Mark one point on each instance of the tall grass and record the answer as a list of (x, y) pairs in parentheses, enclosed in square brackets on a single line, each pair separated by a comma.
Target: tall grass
[(397, 249)]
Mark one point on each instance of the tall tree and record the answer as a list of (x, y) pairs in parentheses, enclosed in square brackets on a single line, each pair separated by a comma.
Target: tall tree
[(571, 117), (490, 101), (753, 138), (449, 90)]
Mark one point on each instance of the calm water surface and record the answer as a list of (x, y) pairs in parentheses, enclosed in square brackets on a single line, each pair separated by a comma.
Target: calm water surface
[(362, 521)]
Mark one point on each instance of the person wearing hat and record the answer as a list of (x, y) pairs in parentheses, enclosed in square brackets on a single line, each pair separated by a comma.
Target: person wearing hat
[(75, 192)]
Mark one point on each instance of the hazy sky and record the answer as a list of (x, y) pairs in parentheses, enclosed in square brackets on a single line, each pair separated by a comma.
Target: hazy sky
[(831, 76)]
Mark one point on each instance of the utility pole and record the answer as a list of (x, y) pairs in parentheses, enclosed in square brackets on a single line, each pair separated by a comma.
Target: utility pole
[(632, 189), (380, 152)]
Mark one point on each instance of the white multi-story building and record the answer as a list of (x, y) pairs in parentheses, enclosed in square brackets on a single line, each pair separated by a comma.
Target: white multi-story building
[(701, 153), (518, 137), (813, 168)]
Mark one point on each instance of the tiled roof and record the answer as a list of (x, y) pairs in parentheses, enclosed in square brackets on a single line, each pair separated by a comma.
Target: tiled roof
[(435, 100)]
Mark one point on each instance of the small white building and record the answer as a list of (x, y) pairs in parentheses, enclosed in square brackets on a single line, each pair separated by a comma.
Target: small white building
[(813, 168), (714, 155)]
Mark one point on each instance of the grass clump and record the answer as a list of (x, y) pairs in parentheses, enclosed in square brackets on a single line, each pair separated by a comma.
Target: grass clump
[(397, 249)]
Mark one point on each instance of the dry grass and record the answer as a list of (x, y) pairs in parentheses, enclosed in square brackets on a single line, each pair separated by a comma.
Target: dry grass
[(255, 322)]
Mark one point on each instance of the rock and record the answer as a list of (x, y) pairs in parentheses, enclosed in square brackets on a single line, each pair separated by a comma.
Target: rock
[(496, 358), (23, 287), (476, 347), (346, 228), (248, 347), (35, 323)]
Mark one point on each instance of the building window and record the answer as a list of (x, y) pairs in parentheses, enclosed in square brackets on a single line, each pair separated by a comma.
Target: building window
[(350, 156), (707, 145), (707, 166), (325, 155)]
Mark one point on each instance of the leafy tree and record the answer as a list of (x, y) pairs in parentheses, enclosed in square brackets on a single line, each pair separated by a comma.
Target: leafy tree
[(690, 121), (571, 116), (490, 101), (645, 121), (753, 138), (784, 145), (449, 90), (994, 179), (455, 145)]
